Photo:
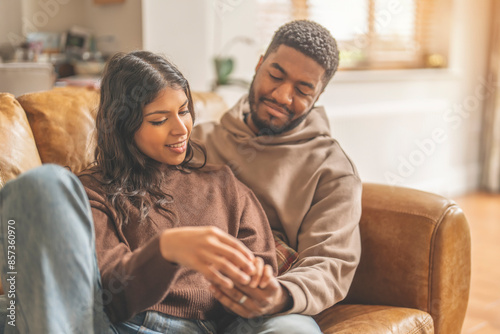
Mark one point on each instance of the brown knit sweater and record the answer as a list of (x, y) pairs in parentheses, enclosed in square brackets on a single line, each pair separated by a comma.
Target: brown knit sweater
[(135, 277)]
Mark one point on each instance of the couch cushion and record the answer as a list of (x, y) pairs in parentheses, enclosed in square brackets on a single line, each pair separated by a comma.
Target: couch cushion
[(63, 123), (18, 151), (374, 319)]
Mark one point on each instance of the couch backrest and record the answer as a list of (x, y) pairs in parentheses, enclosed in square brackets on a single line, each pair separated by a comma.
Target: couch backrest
[(18, 151), (61, 122)]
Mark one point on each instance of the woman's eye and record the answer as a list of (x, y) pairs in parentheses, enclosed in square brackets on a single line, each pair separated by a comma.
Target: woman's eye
[(157, 123), (184, 112)]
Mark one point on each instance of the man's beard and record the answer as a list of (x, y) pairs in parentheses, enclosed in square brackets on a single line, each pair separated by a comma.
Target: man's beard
[(266, 128)]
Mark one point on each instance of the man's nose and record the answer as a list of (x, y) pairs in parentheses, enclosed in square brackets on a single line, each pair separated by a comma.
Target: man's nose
[(283, 94)]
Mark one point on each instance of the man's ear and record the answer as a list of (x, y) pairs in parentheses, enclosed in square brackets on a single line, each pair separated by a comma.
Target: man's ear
[(259, 63), (317, 97)]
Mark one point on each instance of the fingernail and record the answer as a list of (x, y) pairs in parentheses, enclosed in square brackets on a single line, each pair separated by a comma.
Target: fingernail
[(246, 279)]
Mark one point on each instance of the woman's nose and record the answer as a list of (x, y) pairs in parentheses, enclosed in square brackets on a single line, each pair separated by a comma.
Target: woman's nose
[(179, 128)]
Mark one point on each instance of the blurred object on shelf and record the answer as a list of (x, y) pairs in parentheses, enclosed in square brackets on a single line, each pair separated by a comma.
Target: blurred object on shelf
[(50, 41), (76, 41), (28, 52), (88, 67), (224, 64), (7, 52), (26, 77), (89, 81), (435, 60)]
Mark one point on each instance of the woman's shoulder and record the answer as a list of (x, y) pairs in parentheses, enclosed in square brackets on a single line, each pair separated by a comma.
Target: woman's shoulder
[(222, 176), (91, 178), (215, 171)]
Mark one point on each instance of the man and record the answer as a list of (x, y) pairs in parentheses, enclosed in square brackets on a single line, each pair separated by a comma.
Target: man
[(278, 143)]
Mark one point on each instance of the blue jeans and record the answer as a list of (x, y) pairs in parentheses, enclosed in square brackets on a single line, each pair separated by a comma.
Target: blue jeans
[(49, 268)]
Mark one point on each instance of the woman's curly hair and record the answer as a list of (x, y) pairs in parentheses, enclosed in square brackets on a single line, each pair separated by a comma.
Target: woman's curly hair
[(131, 81)]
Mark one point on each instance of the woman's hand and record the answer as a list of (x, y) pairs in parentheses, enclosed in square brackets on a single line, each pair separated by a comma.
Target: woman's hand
[(218, 256)]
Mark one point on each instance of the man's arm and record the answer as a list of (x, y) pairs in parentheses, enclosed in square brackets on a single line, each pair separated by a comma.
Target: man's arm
[(329, 251), (329, 247)]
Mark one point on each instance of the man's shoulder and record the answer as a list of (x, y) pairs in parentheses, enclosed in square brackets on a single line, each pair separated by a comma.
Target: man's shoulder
[(333, 157), (202, 130)]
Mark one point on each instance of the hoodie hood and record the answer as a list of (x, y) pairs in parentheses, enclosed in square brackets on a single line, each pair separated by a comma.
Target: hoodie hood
[(315, 125)]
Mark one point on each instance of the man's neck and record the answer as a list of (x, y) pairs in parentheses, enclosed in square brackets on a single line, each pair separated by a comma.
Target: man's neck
[(249, 122)]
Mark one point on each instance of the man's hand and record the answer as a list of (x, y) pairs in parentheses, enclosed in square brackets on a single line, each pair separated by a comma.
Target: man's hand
[(253, 300)]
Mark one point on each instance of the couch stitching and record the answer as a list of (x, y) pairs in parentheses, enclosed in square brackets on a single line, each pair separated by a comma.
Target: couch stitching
[(432, 220), (431, 256)]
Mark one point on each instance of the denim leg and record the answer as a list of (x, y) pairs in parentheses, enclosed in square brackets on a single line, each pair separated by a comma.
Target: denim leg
[(285, 324), (51, 270), (151, 322)]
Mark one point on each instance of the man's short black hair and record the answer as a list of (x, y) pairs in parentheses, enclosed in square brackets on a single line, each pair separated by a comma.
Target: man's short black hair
[(311, 39)]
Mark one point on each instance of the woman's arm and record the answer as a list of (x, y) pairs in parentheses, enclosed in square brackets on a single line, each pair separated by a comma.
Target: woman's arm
[(131, 280)]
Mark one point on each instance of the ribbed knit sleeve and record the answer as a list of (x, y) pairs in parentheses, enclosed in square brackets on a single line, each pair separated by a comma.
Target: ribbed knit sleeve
[(254, 230), (132, 281)]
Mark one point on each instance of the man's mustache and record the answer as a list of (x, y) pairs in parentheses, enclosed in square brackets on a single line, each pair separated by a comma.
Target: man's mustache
[(281, 106)]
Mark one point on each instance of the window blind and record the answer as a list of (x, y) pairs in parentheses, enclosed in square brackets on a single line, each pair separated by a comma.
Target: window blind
[(371, 34)]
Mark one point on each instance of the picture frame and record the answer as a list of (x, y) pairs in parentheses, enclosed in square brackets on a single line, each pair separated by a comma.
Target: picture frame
[(76, 40)]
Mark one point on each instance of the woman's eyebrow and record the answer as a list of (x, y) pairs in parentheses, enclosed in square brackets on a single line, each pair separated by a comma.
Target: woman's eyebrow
[(166, 111)]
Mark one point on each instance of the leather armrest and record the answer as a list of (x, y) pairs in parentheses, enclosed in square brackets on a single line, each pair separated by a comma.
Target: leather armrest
[(415, 254), (373, 319)]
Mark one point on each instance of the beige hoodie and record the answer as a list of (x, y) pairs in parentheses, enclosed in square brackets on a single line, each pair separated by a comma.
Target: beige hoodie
[(309, 189)]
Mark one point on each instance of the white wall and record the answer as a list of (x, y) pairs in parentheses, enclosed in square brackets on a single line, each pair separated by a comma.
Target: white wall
[(183, 31)]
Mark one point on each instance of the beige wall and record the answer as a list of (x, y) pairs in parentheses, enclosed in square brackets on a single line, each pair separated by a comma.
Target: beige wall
[(10, 23), (118, 27), (123, 21)]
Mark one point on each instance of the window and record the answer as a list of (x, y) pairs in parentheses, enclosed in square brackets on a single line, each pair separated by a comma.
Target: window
[(371, 34)]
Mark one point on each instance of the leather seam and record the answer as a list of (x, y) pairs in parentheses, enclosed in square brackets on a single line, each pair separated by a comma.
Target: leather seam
[(431, 256), (418, 214)]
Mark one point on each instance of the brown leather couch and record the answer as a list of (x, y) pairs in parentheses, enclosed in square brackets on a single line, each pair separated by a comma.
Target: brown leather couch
[(414, 273)]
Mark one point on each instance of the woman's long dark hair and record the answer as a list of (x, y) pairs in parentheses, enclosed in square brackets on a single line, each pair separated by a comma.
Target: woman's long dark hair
[(131, 81)]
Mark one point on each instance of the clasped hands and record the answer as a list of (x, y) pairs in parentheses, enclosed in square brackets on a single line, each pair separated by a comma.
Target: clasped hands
[(239, 280)]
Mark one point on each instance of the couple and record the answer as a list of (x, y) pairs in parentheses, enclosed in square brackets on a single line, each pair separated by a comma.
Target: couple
[(158, 241)]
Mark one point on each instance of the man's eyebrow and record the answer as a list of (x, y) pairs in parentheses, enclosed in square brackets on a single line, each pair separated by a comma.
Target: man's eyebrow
[(282, 70), (279, 68), (165, 111)]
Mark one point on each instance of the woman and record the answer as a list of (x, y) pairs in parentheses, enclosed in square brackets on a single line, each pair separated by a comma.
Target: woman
[(165, 229), (151, 205)]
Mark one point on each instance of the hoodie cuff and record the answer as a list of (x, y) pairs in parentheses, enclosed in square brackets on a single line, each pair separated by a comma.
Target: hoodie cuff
[(299, 298)]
